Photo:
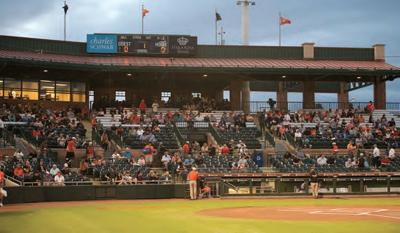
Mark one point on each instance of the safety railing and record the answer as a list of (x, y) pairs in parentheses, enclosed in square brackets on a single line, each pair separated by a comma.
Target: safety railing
[(260, 106), (301, 185)]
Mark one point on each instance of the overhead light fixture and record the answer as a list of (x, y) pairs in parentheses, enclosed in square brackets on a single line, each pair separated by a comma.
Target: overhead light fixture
[(129, 74), (283, 76), (45, 71), (358, 77), (205, 75)]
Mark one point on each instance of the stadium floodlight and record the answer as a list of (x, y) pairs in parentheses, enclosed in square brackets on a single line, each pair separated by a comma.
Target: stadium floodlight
[(245, 19)]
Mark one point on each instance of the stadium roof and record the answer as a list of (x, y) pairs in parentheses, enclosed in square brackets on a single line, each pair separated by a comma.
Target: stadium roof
[(218, 59), (226, 64)]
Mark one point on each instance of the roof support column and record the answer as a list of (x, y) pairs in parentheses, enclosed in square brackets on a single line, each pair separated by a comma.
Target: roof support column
[(235, 94), (379, 93), (282, 96), (246, 97), (343, 96), (309, 94)]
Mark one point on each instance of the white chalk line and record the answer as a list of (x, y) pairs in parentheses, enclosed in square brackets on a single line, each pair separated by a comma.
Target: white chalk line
[(345, 211)]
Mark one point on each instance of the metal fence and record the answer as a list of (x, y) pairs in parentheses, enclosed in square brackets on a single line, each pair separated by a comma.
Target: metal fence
[(259, 106), (300, 186)]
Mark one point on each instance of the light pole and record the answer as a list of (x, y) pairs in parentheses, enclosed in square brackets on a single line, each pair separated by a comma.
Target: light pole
[(221, 34), (245, 19)]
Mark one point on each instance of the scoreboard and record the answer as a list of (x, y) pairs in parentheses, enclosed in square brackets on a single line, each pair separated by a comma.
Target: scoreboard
[(142, 44), (138, 44)]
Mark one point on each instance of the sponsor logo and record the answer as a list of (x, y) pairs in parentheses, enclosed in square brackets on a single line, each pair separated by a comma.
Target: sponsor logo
[(182, 41), (101, 43)]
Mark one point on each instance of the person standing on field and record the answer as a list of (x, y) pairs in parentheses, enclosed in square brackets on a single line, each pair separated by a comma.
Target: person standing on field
[(192, 177), (314, 182)]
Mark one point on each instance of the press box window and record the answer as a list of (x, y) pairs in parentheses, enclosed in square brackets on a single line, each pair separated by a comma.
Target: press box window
[(166, 96), (47, 88), (196, 95), (120, 96), (63, 91), (78, 92), (12, 88), (30, 90)]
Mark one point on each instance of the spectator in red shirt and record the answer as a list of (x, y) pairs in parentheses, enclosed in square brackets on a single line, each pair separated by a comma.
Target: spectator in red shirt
[(71, 146), (335, 148), (36, 134), (142, 107), (19, 172), (186, 148), (148, 152), (370, 107), (225, 150)]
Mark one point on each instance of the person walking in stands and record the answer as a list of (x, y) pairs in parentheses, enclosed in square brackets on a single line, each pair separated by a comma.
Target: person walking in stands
[(376, 155), (186, 148), (148, 152), (192, 178), (142, 107), (314, 182), (71, 147), (370, 107)]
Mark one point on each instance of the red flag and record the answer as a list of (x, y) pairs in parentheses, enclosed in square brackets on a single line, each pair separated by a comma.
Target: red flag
[(144, 12), (283, 21)]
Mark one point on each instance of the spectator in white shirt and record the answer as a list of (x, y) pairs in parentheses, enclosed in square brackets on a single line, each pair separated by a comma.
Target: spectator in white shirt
[(166, 158), (242, 163), (59, 179), (392, 153), (376, 153), (322, 160), (140, 131), (297, 135), (18, 154), (115, 155), (54, 170), (348, 163)]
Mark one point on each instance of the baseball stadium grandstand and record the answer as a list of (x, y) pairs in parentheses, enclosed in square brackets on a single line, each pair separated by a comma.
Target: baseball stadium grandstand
[(167, 133), (74, 114)]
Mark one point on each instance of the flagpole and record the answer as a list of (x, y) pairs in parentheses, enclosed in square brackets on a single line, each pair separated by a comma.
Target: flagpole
[(216, 27), (280, 30), (65, 21), (142, 19)]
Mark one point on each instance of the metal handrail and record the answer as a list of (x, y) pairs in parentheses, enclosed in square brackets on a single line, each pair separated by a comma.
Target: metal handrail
[(20, 183), (260, 106), (79, 183)]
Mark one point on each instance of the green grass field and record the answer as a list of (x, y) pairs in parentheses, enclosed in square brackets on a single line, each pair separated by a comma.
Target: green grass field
[(181, 216)]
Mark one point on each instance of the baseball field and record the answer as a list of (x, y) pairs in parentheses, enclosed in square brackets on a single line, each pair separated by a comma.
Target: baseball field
[(363, 215)]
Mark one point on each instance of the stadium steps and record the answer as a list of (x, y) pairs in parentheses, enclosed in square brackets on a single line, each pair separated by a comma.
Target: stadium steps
[(281, 147), (25, 147), (88, 126)]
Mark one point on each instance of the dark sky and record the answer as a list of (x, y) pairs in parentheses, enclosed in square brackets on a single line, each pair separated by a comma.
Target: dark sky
[(345, 23)]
